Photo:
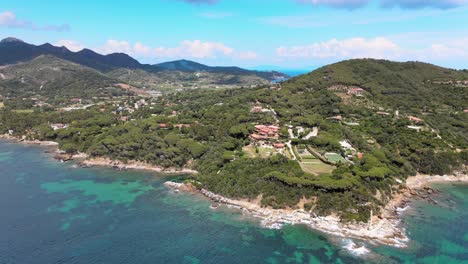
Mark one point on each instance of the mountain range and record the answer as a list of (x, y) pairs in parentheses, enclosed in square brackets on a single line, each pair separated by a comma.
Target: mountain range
[(13, 50)]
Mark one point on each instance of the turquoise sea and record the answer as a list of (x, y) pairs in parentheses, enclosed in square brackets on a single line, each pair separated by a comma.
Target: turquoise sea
[(57, 213)]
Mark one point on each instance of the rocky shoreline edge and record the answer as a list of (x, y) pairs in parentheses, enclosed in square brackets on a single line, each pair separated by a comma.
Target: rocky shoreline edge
[(384, 229), (83, 160)]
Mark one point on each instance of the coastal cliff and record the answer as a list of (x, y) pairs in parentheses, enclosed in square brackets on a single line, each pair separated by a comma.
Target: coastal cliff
[(384, 228)]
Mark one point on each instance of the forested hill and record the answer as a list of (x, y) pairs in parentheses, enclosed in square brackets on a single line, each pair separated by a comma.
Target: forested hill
[(338, 140), (13, 51), (50, 76), (407, 85), (191, 66)]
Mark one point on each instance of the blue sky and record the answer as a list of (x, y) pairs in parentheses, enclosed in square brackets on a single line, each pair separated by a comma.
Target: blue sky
[(249, 33)]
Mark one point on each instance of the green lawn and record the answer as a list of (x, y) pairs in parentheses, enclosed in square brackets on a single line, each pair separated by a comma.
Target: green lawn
[(335, 158), (316, 167), (23, 111), (262, 152)]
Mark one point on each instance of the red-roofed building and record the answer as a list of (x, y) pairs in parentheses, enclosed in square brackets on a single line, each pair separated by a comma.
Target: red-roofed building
[(278, 145), (265, 132), (415, 119), (180, 126)]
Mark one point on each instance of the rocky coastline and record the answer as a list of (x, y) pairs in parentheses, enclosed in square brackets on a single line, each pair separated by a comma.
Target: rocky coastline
[(134, 165), (85, 161), (383, 229)]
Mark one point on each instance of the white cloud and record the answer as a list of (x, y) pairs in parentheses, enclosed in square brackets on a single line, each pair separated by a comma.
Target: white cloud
[(113, 46), (410, 4), (415, 4), (70, 44), (9, 19), (196, 49), (343, 49), (443, 51)]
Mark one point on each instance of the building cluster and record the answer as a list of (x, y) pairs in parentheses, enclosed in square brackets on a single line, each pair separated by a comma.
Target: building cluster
[(140, 103), (463, 83), (356, 91), (350, 90), (264, 132), (58, 126), (259, 109)]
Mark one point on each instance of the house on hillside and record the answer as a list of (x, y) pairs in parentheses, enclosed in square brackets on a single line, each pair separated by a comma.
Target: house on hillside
[(336, 118), (415, 119), (356, 91), (263, 132), (180, 126), (382, 113), (278, 145), (58, 126), (76, 100), (256, 109)]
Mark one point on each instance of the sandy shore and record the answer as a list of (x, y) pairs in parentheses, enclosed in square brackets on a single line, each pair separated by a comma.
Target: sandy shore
[(383, 229), (134, 165), (31, 142), (420, 181)]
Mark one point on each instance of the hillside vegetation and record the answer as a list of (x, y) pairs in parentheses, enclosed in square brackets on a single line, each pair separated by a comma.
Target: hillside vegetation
[(51, 76), (407, 119)]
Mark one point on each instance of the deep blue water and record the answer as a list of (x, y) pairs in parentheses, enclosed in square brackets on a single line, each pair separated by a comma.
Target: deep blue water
[(56, 213), (294, 73)]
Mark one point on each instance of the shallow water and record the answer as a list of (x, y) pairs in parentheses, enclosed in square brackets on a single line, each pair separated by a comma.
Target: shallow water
[(55, 213)]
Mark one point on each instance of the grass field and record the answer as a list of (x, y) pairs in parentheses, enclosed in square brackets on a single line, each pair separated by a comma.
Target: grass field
[(288, 154), (262, 152), (335, 158), (316, 167), (23, 111)]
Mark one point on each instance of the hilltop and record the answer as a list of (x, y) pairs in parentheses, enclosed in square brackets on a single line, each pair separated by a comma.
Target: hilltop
[(50, 76), (14, 51), (401, 84)]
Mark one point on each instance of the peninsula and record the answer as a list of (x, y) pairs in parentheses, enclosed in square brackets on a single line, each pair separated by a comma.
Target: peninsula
[(331, 149)]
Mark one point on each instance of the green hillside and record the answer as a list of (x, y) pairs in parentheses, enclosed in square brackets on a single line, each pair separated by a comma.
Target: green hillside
[(413, 88), (51, 76), (170, 80), (407, 85), (402, 119)]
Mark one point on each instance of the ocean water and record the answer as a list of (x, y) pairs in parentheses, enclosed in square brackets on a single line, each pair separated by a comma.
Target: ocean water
[(56, 213)]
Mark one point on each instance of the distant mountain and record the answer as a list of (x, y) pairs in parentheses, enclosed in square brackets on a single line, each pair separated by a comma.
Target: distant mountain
[(52, 76), (191, 66), (13, 51)]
